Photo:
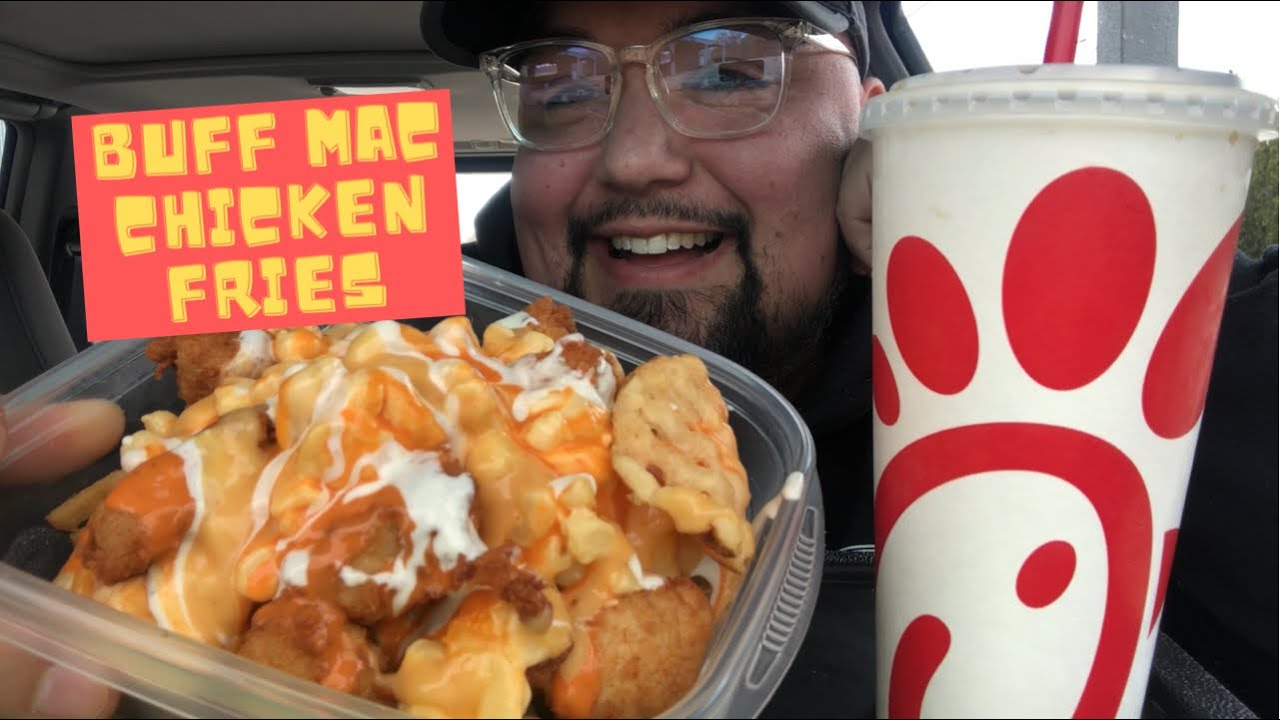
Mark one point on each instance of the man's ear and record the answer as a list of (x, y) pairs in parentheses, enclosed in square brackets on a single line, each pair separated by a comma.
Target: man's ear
[(871, 87)]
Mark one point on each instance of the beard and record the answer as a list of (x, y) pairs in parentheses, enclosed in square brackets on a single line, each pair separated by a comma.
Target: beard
[(781, 344)]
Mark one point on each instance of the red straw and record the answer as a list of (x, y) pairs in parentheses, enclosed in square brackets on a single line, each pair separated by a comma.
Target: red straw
[(1064, 32)]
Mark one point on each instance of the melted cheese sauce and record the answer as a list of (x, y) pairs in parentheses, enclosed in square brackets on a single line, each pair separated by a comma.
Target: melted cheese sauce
[(397, 455), (253, 355), (475, 666)]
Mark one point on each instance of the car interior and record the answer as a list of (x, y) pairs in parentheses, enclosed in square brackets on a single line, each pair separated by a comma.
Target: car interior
[(60, 60), (63, 60)]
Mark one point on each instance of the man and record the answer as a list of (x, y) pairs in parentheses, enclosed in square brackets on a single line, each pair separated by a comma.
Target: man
[(730, 241), (754, 217), (688, 199)]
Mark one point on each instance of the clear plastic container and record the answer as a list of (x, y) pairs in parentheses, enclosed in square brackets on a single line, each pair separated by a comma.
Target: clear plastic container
[(162, 674)]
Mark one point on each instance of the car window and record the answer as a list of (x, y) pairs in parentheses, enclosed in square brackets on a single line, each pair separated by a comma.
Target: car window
[(958, 36), (1248, 49), (961, 35), (474, 190), (6, 159)]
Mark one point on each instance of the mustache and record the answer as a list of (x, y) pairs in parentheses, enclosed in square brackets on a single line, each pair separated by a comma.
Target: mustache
[(580, 227)]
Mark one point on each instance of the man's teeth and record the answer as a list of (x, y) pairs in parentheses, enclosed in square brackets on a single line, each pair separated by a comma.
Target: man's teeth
[(659, 244)]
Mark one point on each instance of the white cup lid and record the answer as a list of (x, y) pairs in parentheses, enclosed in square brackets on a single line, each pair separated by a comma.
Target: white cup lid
[(1144, 93)]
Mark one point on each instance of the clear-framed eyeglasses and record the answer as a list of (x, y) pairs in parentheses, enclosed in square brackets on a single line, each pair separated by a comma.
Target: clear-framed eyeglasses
[(717, 79)]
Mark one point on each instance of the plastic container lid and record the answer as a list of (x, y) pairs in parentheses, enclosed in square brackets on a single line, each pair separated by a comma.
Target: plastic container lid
[(1134, 93), (750, 651)]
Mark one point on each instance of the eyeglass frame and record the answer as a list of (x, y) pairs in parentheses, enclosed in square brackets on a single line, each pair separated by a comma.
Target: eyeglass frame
[(792, 34)]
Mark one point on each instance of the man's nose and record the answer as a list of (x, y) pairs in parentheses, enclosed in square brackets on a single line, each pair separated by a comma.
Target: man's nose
[(642, 152)]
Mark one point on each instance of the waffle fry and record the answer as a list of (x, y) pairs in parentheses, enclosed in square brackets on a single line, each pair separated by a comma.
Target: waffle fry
[(676, 451), (74, 512)]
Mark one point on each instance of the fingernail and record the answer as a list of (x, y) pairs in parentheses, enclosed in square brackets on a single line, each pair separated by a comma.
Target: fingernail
[(64, 693)]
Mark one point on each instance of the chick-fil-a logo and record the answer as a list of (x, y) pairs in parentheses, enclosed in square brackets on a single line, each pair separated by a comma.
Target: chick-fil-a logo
[(1076, 280)]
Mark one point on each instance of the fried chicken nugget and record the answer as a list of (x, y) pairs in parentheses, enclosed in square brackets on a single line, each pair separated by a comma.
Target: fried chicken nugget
[(150, 510), (367, 541), (197, 361), (648, 649), (556, 321), (313, 640), (145, 517), (675, 450), (523, 590), (203, 362), (553, 320), (368, 602)]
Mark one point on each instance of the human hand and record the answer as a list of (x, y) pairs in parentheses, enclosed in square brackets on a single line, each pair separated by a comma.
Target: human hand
[(82, 432), (853, 207)]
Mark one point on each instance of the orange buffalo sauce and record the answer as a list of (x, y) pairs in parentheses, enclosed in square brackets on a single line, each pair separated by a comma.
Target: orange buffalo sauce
[(576, 686), (156, 496), (395, 457), (338, 661)]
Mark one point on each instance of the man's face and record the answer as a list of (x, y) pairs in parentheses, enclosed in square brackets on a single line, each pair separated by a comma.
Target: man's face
[(759, 211)]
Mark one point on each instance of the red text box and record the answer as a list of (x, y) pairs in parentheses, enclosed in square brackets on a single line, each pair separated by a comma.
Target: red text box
[(268, 215)]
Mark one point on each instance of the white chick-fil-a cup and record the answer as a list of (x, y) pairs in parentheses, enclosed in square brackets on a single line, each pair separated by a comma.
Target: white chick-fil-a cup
[(1052, 246)]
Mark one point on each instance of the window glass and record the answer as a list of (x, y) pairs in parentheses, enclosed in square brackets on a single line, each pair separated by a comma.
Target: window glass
[(474, 190)]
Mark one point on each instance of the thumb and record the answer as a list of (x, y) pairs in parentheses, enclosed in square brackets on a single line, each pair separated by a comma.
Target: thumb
[(31, 687), (853, 207), (48, 442)]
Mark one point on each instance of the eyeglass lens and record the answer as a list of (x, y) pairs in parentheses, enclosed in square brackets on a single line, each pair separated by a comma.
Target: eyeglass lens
[(712, 82)]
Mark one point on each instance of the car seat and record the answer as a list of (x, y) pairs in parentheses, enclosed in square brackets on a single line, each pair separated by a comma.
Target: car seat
[(33, 334)]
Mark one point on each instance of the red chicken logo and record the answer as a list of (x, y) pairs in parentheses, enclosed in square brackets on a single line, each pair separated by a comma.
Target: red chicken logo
[(1076, 288)]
